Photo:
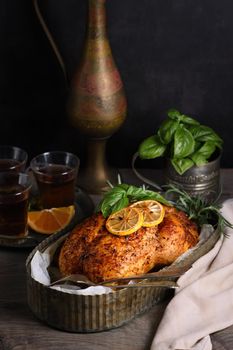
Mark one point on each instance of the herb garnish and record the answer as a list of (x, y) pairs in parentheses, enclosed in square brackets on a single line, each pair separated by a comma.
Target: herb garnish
[(198, 209), (123, 194)]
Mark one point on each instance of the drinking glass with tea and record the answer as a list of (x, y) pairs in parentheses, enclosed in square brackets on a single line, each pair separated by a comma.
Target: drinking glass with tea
[(56, 174), (14, 199), (12, 158)]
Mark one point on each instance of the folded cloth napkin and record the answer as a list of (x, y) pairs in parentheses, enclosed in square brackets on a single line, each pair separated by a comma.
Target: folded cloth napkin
[(203, 303)]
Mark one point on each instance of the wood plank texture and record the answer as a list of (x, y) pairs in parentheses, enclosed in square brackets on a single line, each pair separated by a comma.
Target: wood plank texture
[(20, 330)]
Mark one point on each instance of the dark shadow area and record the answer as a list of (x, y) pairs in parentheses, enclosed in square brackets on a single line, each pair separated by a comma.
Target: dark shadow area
[(169, 53)]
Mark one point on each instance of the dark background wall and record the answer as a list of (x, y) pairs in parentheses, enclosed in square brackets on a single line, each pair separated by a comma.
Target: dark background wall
[(170, 53)]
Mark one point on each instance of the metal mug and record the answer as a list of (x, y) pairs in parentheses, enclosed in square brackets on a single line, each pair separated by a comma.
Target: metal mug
[(202, 181)]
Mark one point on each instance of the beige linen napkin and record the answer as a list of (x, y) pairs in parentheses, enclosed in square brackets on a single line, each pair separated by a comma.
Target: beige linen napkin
[(203, 303)]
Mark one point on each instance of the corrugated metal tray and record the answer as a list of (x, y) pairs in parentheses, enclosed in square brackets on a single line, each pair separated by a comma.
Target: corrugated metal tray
[(83, 313)]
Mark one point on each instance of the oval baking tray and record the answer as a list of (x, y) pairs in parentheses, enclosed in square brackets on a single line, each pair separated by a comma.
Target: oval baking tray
[(94, 313)]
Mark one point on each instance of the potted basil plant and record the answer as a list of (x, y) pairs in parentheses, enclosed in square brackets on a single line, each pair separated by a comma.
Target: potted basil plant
[(192, 151)]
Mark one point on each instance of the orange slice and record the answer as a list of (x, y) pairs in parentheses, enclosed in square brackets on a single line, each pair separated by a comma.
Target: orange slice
[(125, 221), (50, 220), (153, 212)]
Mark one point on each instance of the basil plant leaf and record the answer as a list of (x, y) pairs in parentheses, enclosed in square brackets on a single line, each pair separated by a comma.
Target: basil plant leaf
[(201, 156), (134, 191), (219, 144), (120, 204), (204, 133), (122, 195), (173, 114), (199, 131), (199, 159), (213, 138), (151, 148), (197, 146), (123, 186), (183, 143), (114, 194), (167, 130), (139, 194), (111, 200), (105, 208), (153, 195), (188, 120), (182, 165)]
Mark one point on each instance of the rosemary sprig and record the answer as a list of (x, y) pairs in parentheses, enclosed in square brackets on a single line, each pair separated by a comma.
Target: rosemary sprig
[(198, 209)]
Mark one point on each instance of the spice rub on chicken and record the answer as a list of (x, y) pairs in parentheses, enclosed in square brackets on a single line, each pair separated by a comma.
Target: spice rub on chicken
[(91, 250)]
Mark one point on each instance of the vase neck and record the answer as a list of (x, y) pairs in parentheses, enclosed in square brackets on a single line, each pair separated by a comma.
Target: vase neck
[(96, 18)]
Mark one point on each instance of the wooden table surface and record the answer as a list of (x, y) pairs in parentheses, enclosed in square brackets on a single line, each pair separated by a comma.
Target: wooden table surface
[(20, 330)]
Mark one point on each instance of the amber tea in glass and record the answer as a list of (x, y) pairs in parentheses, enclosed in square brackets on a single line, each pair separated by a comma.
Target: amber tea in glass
[(55, 173), (12, 158), (14, 198)]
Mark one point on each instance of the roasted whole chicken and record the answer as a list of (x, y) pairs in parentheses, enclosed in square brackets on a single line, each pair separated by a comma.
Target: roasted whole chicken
[(91, 250)]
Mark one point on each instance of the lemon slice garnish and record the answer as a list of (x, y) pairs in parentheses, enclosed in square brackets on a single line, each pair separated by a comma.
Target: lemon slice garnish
[(152, 211), (125, 221)]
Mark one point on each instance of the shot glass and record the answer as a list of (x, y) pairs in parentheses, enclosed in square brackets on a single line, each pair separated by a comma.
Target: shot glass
[(12, 158), (55, 173), (14, 199)]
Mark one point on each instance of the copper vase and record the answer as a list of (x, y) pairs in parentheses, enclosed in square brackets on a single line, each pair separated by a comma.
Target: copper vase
[(97, 103)]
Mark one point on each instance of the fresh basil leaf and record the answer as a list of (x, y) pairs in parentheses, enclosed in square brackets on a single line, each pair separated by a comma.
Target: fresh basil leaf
[(115, 194), (207, 149), (138, 194), (122, 203), (110, 200), (204, 133), (199, 159), (153, 195), (188, 120), (167, 130), (105, 208), (108, 205), (134, 191), (173, 114), (201, 156), (198, 131), (183, 143), (182, 165), (197, 146), (219, 144), (121, 195), (213, 138), (122, 186), (151, 148)]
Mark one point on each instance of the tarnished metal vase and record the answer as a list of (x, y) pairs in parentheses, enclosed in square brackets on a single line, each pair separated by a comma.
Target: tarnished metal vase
[(97, 104), (203, 181)]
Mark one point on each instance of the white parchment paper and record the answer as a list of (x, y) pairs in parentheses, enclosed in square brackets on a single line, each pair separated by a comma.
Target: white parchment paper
[(39, 272)]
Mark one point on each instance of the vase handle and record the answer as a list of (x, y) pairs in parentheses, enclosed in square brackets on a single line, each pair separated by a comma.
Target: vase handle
[(50, 38), (143, 178)]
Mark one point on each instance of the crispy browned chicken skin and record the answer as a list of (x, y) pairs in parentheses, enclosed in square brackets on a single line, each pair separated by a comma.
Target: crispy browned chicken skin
[(90, 249)]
